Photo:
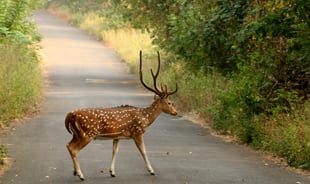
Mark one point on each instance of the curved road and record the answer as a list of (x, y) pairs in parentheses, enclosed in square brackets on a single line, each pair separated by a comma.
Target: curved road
[(82, 72)]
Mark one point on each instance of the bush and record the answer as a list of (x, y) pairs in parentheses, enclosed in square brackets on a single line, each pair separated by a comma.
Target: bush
[(288, 135), (20, 82), (20, 75), (198, 91), (14, 25), (3, 154), (240, 111), (237, 107)]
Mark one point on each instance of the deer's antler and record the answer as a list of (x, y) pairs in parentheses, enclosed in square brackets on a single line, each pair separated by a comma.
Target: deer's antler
[(164, 91)]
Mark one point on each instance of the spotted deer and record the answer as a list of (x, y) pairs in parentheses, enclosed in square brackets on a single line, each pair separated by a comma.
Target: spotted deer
[(123, 122)]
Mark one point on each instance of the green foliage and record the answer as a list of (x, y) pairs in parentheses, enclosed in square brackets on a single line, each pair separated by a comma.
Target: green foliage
[(281, 85), (20, 82), (19, 68), (76, 6), (277, 51), (3, 154), (92, 16), (14, 25), (288, 135), (237, 107), (268, 36), (199, 32), (198, 91), (202, 33)]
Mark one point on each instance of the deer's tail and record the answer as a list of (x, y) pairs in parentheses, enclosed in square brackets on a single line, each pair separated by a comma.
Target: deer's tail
[(68, 122)]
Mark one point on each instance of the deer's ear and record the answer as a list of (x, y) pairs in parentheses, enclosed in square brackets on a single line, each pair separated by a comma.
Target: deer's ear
[(156, 97)]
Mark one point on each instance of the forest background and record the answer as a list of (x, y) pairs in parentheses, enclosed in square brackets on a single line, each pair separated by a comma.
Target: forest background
[(242, 65)]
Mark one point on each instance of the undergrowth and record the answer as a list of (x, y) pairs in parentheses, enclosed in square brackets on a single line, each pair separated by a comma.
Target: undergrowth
[(3, 154), (288, 135), (20, 82)]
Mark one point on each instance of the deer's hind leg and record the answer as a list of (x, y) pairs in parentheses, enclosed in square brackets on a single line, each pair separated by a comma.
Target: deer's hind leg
[(74, 146)]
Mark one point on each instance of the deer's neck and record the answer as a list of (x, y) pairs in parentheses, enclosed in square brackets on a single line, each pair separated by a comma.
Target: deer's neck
[(152, 112)]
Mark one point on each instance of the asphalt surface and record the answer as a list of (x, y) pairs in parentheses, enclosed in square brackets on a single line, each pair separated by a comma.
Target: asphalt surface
[(83, 72)]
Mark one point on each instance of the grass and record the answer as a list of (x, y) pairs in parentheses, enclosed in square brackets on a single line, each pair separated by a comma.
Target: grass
[(3, 154), (128, 42), (20, 82), (289, 136)]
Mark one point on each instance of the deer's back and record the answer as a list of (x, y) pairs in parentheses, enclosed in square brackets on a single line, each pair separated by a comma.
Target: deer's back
[(122, 122)]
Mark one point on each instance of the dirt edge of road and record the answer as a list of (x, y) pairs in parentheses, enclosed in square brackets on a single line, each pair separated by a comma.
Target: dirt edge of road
[(267, 156), (8, 162)]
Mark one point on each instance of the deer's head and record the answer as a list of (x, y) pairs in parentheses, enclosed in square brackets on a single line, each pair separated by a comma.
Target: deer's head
[(162, 94)]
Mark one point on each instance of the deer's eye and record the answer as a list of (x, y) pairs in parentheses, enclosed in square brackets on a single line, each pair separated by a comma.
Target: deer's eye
[(169, 103)]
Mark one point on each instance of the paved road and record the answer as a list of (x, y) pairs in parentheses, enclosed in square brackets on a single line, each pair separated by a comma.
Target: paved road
[(82, 72)]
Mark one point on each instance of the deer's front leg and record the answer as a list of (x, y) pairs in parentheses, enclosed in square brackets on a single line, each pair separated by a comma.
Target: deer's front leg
[(115, 151), (140, 145)]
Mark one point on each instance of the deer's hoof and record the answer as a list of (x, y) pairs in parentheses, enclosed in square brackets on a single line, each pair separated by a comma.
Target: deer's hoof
[(75, 173), (81, 177), (112, 174), (151, 171)]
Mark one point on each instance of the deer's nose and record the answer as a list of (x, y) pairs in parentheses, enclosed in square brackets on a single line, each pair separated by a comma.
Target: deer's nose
[(174, 113)]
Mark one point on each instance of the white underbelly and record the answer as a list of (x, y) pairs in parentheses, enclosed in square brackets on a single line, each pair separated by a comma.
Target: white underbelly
[(109, 138)]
